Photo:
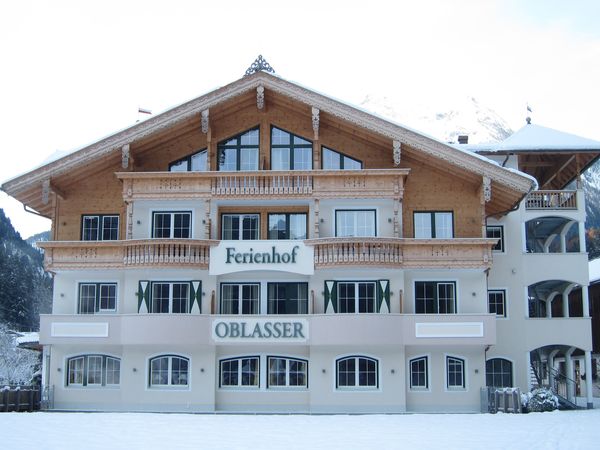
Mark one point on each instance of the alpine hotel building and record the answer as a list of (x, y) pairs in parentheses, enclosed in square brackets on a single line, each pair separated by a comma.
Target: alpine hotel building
[(265, 248)]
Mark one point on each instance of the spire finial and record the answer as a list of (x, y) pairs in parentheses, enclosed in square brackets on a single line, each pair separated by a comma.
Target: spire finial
[(259, 64), (528, 118)]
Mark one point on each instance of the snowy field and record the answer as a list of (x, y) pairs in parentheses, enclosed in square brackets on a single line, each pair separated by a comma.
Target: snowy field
[(91, 431)]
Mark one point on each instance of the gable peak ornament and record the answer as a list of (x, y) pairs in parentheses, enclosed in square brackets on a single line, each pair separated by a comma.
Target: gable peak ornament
[(259, 64)]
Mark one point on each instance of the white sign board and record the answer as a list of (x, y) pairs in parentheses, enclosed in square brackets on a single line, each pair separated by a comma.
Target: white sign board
[(276, 329), (242, 256)]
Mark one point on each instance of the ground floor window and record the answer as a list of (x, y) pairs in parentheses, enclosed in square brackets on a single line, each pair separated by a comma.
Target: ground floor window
[(498, 373), (435, 297), (239, 372), (287, 372), (169, 370), (356, 372), (287, 298), (455, 373), (419, 373), (93, 370)]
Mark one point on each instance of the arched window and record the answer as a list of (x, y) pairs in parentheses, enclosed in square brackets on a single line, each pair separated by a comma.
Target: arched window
[(93, 370), (357, 372), (498, 373), (169, 370)]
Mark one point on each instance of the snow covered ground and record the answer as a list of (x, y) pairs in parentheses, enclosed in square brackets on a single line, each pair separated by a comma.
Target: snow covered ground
[(90, 431)]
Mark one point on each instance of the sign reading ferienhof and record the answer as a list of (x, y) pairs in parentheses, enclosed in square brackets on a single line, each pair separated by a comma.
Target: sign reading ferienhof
[(250, 331)]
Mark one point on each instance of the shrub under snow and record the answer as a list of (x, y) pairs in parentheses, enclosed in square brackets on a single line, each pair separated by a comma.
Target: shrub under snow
[(539, 400)]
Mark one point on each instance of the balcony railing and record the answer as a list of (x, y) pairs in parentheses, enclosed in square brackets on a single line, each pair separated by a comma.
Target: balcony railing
[(124, 254), (372, 183), (403, 253), (551, 200)]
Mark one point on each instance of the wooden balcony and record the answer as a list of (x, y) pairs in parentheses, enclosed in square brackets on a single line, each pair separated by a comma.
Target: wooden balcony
[(373, 183), (552, 200), (403, 253), (69, 255)]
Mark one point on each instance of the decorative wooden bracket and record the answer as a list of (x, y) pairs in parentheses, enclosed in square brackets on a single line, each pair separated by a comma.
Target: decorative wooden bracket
[(260, 97), (204, 120), (397, 152), (125, 156), (487, 189), (315, 122)]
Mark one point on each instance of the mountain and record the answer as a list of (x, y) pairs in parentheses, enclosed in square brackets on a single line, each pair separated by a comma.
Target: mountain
[(25, 289)]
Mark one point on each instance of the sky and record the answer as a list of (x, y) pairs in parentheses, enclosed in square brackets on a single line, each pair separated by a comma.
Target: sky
[(72, 72)]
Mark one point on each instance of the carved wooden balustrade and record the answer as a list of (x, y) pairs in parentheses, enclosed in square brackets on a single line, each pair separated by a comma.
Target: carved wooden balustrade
[(371, 183), (403, 253), (124, 254), (551, 200)]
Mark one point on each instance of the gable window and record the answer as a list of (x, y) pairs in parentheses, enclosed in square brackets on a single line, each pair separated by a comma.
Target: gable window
[(287, 372), (287, 298), (356, 372), (239, 372), (289, 152), (238, 227), (433, 225), (455, 373), (333, 160), (97, 298), (170, 298), (418, 373), (498, 373), (241, 298), (239, 153), (287, 226), (169, 370), (356, 297), (172, 225), (100, 227), (496, 232), (93, 370), (497, 302), (355, 223), (196, 162), (435, 297)]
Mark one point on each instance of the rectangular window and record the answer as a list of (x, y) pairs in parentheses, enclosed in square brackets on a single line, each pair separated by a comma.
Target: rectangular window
[(435, 297), (356, 297), (287, 372), (455, 373), (497, 302), (496, 232), (289, 152), (287, 226), (97, 298), (355, 223), (418, 373), (170, 298), (333, 160), (239, 153), (239, 372), (240, 298), (236, 227), (433, 225), (287, 298), (172, 225), (100, 227)]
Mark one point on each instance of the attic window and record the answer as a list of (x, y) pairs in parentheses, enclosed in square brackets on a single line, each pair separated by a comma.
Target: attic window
[(196, 162), (240, 152)]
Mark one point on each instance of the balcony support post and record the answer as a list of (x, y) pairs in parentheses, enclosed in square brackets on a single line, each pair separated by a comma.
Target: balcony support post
[(316, 223), (570, 373), (207, 219), (585, 300), (582, 243)]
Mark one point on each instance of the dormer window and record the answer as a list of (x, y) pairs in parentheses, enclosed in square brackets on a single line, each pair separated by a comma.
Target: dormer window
[(239, 153)]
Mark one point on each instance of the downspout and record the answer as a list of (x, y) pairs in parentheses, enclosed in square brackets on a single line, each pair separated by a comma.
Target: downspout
[(31, 211)]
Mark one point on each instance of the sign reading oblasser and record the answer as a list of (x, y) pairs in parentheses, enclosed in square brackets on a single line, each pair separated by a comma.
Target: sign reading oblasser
[(260, 330)]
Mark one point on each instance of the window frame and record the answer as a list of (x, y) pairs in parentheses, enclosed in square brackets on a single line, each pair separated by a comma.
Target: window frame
[(436, 299), (342, 157), (501, 373), (463, 374), (287, 385), (170, 299), (505, 311), (500, 243), (432, 224), (222, 146), (172, 214), (373, 210), (357, 374), (240, 300), (240, 373), (414, 387), (287, 224), (188, 160), (100, 228), (170, 370), (287, 300), (291, 147), (98, 297), (357, 298), (85, 371), (241, 225)]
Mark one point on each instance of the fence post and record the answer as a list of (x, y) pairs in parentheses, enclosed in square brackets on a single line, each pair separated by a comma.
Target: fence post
[(6, 394), (17, 399)]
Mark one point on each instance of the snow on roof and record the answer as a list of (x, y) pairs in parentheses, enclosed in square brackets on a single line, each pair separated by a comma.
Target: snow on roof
[(536, 137), (28, 337), (594, 267)]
